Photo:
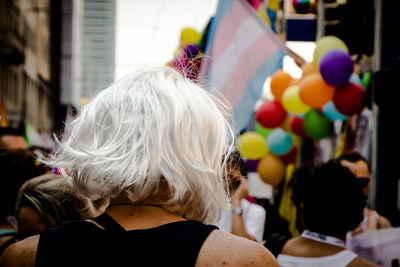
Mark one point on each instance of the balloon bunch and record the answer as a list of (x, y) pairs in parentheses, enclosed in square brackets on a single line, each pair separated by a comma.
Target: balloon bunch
[(187, 58), (303, 108)]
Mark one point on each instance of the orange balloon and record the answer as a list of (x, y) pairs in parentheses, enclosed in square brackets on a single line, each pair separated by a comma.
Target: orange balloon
[(295, 82), (279, 82), (271, 170), (308, 68), (315, 92)]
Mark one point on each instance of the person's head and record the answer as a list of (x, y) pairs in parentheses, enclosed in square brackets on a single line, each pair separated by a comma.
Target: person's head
[(236, 168), (328, 198), (48, 201), (11, 138), (359, 166), (16, 167), (152, 135)]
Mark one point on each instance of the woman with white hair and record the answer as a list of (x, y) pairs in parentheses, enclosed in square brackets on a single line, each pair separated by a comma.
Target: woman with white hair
[(154, 144)]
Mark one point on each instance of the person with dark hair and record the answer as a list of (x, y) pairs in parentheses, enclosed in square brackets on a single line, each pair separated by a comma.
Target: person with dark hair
[(359, 166), (330, 202), (244, 218), (16, 167)]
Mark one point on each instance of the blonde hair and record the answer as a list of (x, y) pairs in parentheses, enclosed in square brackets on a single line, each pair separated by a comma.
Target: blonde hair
[(151, 130), (54, 200)]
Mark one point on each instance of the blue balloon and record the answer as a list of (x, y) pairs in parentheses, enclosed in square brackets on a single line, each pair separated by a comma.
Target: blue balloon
[(332, 113), (354, 78), (279, 142)]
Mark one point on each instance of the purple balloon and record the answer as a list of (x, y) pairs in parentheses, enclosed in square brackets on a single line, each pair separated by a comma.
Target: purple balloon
[(192, 50), (252, 164), (336, 67)]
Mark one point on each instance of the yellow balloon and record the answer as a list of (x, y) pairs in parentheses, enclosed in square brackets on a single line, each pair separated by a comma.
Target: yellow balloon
[(252, 145), (291, 101), (325, 44), (190, 36), (178, 52)]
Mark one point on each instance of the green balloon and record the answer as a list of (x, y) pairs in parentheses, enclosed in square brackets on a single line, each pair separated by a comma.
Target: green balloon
[(366, 79), (262, 130), (316, 125)]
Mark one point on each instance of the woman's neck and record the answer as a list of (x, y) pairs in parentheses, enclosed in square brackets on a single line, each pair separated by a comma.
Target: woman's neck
[(142, 215)]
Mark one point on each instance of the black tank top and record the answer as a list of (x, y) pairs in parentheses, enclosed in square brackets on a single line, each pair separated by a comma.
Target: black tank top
[(81, 243)]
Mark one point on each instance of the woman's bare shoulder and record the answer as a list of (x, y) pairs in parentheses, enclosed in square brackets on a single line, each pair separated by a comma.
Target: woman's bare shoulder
[(222, 248), (22, 253)]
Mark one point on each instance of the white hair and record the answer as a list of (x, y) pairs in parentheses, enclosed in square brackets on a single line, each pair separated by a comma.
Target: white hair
[(151, 128)]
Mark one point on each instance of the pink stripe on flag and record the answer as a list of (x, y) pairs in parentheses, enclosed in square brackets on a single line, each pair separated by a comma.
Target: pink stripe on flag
[(227, 29), (249, 62)]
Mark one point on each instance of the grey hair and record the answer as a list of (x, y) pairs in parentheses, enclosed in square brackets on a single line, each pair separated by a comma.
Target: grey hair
[(151, 129)]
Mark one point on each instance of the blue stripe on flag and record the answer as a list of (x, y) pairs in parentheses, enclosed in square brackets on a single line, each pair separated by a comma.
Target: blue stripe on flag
[(223, 8), (243, 111)]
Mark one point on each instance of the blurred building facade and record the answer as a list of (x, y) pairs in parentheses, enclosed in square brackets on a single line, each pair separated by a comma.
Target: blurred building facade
[(25, 64), (39, 64), (98, 46)]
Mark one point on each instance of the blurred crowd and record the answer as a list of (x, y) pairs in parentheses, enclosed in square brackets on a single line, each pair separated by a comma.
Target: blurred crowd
[(330, 198)]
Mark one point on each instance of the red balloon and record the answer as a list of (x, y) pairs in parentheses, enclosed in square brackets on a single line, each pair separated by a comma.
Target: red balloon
[(296, 124), (271, 114), (289, 157), (349, 99)]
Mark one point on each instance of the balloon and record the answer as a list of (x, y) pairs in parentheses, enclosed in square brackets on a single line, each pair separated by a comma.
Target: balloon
[(271, 170), (316, 125), (271, 114), (279, 142), (279, 82), (286, 125), (180, 63), (190, 36), (308, 68), (262, 130), (252, 164), (349, 99), (252, 145), (295, 82), (192, 50), (325, 44), (291, 101), (336, 67), (302, 6), (331, 112), (315, 92), (289, 157), (366, 79), (354, 78), (178, 52), (296, 124)]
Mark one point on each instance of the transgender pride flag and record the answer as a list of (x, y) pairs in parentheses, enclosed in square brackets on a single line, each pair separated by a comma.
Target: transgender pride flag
[(241, 52)]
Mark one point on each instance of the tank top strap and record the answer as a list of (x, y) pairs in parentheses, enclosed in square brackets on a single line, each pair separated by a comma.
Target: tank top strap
[(347, 256), (108, 223)]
